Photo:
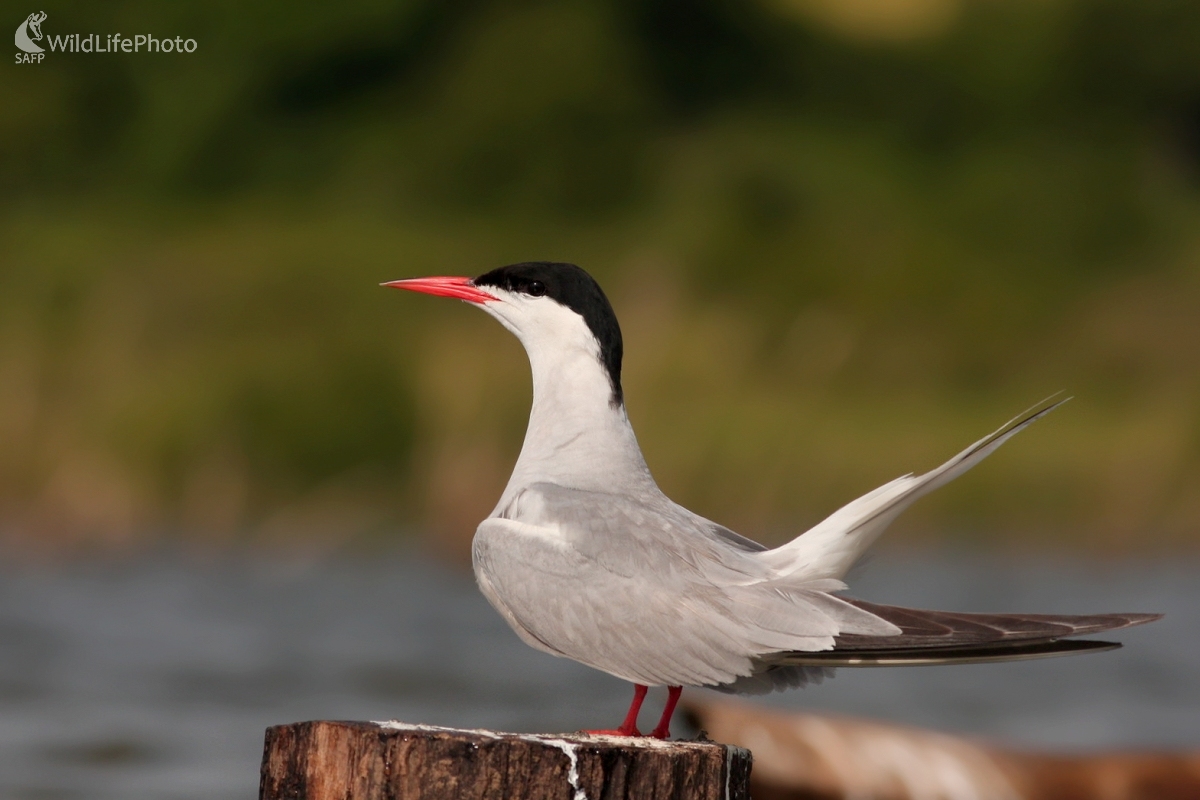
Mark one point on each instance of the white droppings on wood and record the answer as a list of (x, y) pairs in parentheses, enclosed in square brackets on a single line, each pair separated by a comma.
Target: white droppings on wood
[(396, 725), (647, 742), (573, 769)]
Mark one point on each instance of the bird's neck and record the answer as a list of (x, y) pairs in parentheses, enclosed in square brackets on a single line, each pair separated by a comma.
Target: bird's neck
[(577, 435)]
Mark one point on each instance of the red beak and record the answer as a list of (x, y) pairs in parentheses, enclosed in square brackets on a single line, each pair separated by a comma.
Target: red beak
[(460, 288)]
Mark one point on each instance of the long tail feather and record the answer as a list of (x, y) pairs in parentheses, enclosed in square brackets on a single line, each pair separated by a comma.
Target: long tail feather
[(830, 548)]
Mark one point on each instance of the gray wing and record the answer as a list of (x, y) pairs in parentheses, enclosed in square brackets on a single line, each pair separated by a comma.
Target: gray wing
[(646, 590)]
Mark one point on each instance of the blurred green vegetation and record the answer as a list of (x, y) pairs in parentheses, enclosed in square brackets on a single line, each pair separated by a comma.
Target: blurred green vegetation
[(844, 240)]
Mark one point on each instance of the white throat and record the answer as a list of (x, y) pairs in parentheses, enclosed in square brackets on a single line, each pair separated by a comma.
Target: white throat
[(577, 436)]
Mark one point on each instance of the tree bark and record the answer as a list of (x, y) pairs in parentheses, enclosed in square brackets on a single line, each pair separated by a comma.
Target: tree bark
[(396, 761)]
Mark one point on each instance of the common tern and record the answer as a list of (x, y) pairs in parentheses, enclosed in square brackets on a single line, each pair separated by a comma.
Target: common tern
[(586, 558)]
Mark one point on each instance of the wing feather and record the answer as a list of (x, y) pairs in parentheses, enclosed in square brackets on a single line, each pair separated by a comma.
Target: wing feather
[(924, 629)]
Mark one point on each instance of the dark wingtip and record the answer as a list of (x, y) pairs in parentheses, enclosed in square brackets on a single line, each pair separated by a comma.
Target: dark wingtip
[(1138, 619), (971, 654)]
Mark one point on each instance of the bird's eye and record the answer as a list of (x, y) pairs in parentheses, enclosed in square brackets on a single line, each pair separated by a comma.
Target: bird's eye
[(536, 289)]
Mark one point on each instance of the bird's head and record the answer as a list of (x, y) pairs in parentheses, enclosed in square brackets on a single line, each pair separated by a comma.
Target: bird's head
[(553, 308)]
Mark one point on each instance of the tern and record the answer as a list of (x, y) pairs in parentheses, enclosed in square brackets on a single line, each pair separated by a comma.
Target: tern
[(586, 558)]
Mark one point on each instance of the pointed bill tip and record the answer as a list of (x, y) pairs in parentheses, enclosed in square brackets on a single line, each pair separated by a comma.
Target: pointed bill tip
[(457, 288)]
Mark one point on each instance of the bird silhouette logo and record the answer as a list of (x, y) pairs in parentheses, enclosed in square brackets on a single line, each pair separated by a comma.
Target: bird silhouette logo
[(29, 33)]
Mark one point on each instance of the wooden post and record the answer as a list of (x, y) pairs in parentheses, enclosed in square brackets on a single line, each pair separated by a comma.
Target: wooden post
[(397, 761)]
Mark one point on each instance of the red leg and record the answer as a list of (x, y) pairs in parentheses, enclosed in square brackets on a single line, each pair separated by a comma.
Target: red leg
[(663, 729), (629, 726)]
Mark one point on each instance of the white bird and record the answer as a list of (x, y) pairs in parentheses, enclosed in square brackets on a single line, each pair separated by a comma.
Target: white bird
[(586, 558)]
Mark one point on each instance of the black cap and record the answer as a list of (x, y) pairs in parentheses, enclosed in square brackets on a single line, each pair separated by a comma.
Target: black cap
[(570, 286)]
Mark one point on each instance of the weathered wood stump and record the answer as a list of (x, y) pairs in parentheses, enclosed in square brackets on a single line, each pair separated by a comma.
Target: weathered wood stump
[(397, 761)]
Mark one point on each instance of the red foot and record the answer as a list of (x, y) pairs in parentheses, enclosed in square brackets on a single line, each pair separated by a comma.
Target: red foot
[(663, 729), (629, 726)]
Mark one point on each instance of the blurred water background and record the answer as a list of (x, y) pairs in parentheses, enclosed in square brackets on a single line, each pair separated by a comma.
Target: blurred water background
[(844, 238), (155, 678)]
